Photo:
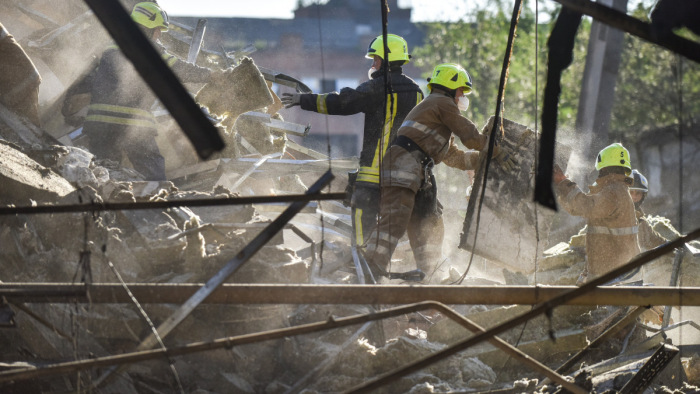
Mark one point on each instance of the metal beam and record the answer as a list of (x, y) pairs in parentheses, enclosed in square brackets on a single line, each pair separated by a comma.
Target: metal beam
[(224, 273), (630, 318), (256, 294), (196, 43), (72, 366), (150, 65), (199, 202), (536, 311), (626, 23)]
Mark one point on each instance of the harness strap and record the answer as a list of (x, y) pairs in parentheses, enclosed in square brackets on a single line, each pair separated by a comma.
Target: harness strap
[(411, 147)]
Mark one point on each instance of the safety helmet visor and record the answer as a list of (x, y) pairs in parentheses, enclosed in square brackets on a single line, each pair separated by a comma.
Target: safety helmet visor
[(639, 182)]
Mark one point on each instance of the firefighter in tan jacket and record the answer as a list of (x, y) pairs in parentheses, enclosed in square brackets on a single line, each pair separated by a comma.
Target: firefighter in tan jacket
[(648, 238), (408, 198), (611, 235)]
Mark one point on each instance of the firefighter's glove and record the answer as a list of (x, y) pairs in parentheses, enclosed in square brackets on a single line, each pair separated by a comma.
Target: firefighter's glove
[(289, 100), (505, 160)]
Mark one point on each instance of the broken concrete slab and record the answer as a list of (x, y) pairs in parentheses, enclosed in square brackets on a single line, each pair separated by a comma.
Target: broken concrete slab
[(23, 179), (236, 91), (508, 211)]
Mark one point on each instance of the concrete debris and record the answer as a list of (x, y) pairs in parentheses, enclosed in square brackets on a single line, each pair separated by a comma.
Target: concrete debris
[(235, 91), (23, 180), (508, 211)]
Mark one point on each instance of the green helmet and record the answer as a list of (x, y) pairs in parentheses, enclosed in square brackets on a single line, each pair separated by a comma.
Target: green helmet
[(150, 15), (398, 48), (614, 155), (451, 76)]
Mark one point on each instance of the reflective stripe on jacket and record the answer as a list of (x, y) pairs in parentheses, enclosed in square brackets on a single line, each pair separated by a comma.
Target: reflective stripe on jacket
[(612, 223), (382, 119), (432, 125), (435, 122), (121, 100)]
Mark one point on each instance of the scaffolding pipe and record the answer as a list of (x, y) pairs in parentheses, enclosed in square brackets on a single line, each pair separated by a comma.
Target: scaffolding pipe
[(300, 294), (199, 202), (73, 366), (225, 272)]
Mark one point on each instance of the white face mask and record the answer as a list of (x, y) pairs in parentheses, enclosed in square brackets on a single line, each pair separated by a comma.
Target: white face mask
[(463, 103), (370, 72)]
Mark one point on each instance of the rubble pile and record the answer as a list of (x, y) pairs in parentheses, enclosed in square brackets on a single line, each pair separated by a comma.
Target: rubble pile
[(185, 245)]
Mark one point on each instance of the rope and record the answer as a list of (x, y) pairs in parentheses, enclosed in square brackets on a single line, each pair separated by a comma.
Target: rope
[(492, 137), (679, 84), (328, 136), (537, 220)]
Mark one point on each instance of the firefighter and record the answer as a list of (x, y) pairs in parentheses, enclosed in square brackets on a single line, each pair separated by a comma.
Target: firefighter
[(611, 234), (19, 79), (383, 116), (648, 238), (119, 119), (408, 189)]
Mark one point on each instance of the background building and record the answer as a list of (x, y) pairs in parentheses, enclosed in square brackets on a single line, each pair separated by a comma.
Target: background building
[(324, 47)]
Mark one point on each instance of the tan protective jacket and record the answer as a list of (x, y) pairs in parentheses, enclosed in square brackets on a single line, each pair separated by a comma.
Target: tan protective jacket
[(432, 125), (648, 238), (611, 238)]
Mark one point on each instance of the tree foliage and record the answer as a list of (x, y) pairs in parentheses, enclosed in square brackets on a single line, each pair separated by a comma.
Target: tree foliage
[(651, 85)]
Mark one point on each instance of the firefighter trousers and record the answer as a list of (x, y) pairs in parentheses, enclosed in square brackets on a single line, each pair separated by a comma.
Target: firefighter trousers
[(397, 215)]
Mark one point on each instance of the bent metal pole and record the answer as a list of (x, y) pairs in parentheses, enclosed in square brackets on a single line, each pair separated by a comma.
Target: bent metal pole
[(540, 309), (301, 294), (229, 342)]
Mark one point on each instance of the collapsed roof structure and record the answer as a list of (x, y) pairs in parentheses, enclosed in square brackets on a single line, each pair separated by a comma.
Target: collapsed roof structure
[(237, 275)]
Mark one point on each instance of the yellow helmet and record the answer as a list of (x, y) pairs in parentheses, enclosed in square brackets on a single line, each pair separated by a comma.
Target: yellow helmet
[(452, 76), (614, 155), (398, 48), (150, 15)]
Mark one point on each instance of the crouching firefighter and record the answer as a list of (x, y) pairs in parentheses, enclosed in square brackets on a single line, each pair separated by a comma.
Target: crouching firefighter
[(408, 190)]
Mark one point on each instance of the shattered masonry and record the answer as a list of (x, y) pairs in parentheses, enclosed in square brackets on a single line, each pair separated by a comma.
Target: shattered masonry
[(183, 245)]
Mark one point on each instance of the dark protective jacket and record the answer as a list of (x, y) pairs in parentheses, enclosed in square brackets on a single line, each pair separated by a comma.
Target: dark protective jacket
[(120, 98), (19, 79), (611, 238), (380, 125)]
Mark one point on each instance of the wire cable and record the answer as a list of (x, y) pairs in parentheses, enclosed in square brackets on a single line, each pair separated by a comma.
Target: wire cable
[(388, 112), (497, 124), (328, 135)]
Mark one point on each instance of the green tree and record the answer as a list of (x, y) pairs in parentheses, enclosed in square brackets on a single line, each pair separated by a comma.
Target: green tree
[(655, 87)]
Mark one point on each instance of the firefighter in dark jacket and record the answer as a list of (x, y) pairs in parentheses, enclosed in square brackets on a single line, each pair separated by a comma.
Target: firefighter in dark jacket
[(19, 79), (119, 118), (383, 117)]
